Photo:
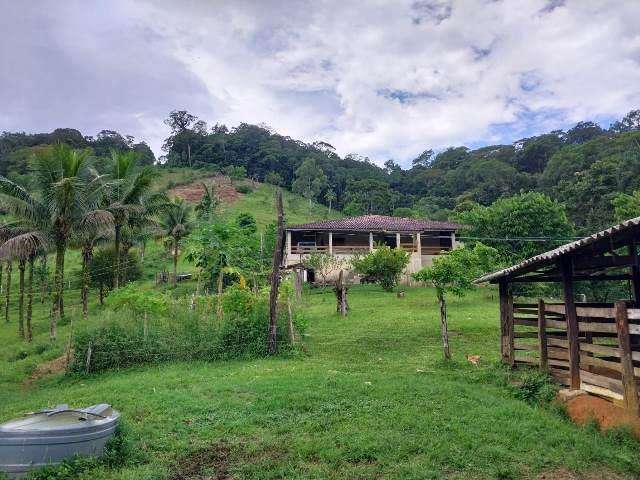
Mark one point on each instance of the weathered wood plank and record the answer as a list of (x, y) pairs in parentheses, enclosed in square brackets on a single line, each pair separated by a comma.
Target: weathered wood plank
[(602, 381), (526, 346), (595, 312), (557, 342), (599, 362), (601, 349), (601, 391), (560, 324), (558, 363), (526, 334), (527, 360), (597, 327), (525, 322), (629, 384), (542, 337)]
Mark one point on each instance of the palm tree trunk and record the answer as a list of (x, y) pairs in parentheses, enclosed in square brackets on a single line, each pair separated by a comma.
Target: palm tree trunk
[(44, 279), (7, 291), (175, 263), (30, 298), (58, 285), (21, 266), (116, 273)]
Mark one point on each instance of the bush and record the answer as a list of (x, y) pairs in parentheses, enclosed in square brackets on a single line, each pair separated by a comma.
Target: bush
[(102, 267), (384, 265), (180, 334), (244, 188), (535, 388)]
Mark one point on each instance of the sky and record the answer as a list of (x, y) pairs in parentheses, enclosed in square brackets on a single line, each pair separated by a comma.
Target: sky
[(384, 79)]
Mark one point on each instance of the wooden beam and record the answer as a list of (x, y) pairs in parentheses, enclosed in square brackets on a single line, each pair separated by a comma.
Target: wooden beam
[(542, 337), (626, 360), (566, 267), (635, 272), (557, 279)]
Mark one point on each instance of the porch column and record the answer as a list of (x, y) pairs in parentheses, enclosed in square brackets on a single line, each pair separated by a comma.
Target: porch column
[(397, 240), (288, 242), (419, 243), (566, 270), (330, 243), (453, 240), (371, 241)]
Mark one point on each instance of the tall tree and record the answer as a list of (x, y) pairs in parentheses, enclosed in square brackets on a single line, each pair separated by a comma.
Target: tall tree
[(310, 180), (176, 224), (63, 195)]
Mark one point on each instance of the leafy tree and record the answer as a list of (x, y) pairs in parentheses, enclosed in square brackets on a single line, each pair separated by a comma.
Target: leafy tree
[(424, 159), (629, 123), (176, 224), (454, 273), (101, 270), (534, 221), (384, 265), (273, 178), (235, 172), (330, 197), (404, 212), (583, 132), (626, 206), (324, 264), (310, 180), (247, 222), (206, 207)]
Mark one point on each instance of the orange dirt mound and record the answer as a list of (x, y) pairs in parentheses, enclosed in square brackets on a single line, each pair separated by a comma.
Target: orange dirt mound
[(193, 192), (587, 407)]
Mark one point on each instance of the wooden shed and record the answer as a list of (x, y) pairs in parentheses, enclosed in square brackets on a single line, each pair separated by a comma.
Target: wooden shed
[(585, 345)]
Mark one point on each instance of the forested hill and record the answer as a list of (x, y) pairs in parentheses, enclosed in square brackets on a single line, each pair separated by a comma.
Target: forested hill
[(584, 167)]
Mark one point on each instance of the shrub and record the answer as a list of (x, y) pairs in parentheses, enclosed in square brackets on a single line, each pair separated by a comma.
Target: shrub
[(244, 188), (384, 265), (102, 268), (535, 388)]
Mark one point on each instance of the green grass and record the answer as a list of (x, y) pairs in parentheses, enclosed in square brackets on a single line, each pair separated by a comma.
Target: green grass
[(371, 399)]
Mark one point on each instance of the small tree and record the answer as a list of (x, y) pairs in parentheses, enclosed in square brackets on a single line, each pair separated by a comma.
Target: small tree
[(206, 208), (384, 265), (454, 273), (324, 264), (235, 172)]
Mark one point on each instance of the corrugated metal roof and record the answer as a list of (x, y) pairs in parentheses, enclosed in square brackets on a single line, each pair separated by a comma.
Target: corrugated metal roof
[(560, 251), (377, 223)]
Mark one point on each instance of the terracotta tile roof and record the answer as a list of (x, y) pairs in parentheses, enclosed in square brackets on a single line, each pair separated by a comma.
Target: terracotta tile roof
[(553, 255), (377, 223)]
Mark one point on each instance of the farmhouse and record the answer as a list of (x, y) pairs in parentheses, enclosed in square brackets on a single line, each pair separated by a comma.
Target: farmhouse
[(586, 345), (422, 239)]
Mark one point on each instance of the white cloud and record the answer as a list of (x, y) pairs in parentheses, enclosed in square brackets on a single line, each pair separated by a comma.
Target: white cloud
[(384, 79)]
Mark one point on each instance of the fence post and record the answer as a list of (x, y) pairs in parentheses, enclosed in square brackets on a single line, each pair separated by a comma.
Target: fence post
[(629, 384), (504, 329), (542, 337), (573, 334)]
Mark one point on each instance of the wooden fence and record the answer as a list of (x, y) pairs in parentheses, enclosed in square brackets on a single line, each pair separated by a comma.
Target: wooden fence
[(602, 353)]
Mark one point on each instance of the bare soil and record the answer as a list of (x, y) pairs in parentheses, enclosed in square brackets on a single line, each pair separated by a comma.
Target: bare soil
[(211, 463), (52, 367), (562, 473), (589, 407), (193, 192)]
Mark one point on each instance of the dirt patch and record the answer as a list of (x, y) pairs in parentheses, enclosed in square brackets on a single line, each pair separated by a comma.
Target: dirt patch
[(589, 407), (211, 463), (57, 365), (193, 192), (562, 473)]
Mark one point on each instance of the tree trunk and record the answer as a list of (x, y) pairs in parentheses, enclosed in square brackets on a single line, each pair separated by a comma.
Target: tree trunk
[(21, 267), (58, 285), (7, 291), (219, 299), (275, 278), (340, 290), (44, 280), (298, 283), (175, 263), (443, 326), (32, 260), (329, 214), (116, 273)]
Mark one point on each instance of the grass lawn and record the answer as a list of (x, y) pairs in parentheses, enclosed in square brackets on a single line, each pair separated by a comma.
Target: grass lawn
[(370, 399)]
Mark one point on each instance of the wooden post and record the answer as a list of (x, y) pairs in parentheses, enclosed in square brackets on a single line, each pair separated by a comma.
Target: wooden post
[(419, 245), (542, 337), (629, 384), (288, 243), (340, 290), (298, 283), (330, 243), (371, 241), (566, 270), (275, 278), (504, 328), (397, 240), (635, 273)]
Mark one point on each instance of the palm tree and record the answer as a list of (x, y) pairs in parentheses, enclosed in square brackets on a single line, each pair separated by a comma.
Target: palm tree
[(64, 194), (93, 228), (176, 224), (126, 190), (330, 196), (24, 247)]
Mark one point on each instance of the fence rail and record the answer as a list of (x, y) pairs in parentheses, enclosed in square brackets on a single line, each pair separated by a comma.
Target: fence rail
[(607, 342)]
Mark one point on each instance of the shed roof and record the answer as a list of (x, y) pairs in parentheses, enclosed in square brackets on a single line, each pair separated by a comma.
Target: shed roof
[(377, 223), (599, 242)]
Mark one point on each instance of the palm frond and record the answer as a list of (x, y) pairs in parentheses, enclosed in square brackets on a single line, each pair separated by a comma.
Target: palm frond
[(24, 245)]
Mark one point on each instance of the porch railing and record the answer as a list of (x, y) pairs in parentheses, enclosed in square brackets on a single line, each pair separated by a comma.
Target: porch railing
[(608, 344)]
